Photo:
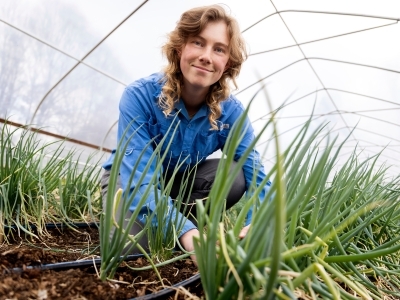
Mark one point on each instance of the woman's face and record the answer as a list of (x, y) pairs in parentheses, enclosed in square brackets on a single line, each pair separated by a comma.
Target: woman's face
[(204, 58)]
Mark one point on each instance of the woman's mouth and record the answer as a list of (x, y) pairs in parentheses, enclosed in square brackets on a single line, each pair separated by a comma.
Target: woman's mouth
[(202, 68)]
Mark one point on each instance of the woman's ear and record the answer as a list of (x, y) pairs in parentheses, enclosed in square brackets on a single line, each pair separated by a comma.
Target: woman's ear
[(227, 66), (179, 52)]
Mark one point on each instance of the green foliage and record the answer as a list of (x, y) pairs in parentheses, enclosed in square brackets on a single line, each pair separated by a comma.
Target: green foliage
[(40, 185), (317, 233), (115, 238), (323, 234), (78, 192)]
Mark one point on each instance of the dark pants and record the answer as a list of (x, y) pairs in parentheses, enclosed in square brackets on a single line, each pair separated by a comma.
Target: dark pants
[(203, 181)]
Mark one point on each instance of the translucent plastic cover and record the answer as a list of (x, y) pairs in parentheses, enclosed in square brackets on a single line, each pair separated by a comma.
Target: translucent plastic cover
[(64, 65)]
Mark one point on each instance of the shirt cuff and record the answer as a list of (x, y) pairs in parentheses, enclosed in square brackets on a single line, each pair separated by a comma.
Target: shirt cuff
[(187, 227)]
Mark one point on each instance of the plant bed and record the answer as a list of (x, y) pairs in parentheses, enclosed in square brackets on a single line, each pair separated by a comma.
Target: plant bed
[(61, 265), (83, 283), (56, 244)]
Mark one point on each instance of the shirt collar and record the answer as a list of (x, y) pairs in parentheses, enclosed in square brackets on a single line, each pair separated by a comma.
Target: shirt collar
[(180, 106)]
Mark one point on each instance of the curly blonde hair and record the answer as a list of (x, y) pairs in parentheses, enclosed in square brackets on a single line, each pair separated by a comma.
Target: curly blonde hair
[(192, 23)]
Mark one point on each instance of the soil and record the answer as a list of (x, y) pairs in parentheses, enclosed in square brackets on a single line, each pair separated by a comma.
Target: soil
[(29, 282)]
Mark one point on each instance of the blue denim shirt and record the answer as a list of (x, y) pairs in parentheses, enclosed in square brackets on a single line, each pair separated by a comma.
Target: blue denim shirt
[(192, 142)]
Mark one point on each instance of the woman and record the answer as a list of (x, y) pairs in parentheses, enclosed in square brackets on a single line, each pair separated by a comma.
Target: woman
[(205, 53)]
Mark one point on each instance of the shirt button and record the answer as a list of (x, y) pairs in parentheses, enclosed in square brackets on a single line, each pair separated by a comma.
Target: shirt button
[(189, 125)]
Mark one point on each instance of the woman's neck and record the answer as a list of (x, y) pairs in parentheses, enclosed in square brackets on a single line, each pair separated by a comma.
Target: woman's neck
[(193, 100)]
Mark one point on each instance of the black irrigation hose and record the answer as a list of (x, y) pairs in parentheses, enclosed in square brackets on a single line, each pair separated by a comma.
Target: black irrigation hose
[(97, 261), (170, 290), (67, 264), (7, 228)]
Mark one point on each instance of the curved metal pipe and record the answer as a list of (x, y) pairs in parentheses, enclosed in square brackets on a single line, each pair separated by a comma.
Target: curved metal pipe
[(320, 12), (107, 133), (329, 89), (316, 58), (83, 58), (323, 39)]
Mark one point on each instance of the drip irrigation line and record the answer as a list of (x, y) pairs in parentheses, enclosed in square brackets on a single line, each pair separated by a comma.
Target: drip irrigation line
[(56, 225), (323, 39), (168, 291), (68, 264), (87, 263), (84, 57)]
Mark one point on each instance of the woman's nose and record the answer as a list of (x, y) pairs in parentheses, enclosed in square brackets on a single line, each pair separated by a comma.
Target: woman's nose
[(205, 56)]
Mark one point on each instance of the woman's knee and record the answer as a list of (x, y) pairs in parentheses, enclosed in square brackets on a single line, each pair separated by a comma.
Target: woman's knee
[(205, 178), (238, 187)]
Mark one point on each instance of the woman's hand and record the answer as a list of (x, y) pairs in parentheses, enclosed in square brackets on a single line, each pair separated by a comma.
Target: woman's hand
[(244, 231), (186, 241)]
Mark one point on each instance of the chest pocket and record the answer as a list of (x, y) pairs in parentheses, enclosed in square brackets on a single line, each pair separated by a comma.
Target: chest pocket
[(207, 142), (172, 141), (222, 136)]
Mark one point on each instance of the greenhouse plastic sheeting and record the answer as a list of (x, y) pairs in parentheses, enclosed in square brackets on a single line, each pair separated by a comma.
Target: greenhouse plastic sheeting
[(64, 65)]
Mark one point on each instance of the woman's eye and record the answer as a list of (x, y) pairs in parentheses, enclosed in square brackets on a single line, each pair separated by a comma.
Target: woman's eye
[(220, 50), (197, 43)]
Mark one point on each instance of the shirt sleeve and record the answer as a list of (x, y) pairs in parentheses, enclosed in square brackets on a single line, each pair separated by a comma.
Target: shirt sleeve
[(135, 113), (253, 165)]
